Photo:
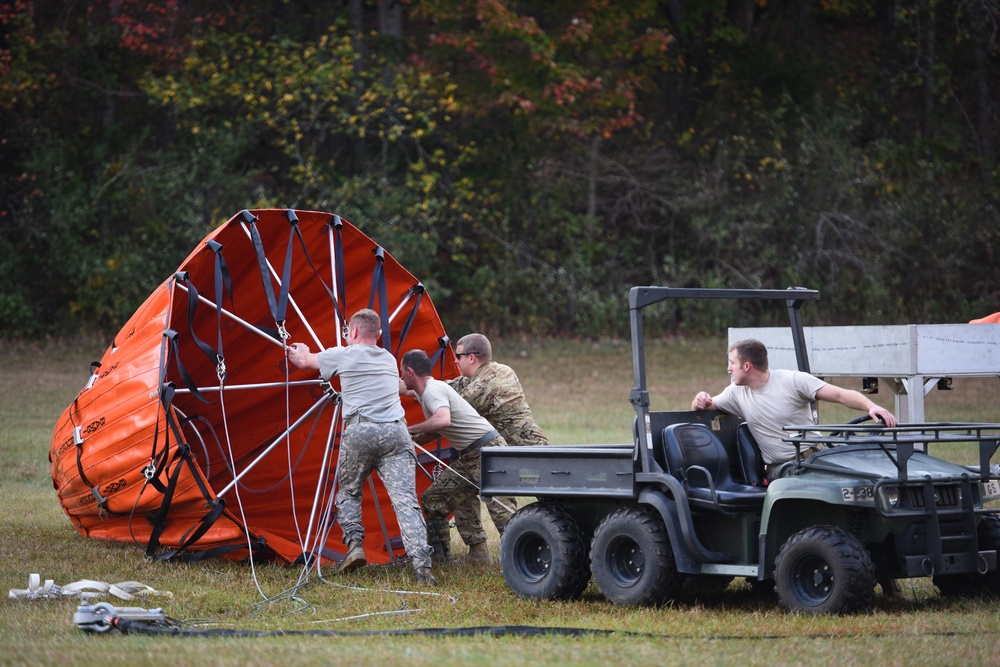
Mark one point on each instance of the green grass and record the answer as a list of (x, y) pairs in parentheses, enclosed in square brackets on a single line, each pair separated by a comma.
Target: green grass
[(579, 392)]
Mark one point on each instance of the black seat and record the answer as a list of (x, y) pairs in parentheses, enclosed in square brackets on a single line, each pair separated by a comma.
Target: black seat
[(748, 453), (697, 457)]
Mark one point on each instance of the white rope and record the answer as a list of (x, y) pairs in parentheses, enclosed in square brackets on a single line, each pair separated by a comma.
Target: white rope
[(236, 492), (126, 590)]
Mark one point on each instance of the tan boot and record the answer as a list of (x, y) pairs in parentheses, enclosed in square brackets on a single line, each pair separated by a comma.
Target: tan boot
[(479, 554), (425, 578), (354, 559)]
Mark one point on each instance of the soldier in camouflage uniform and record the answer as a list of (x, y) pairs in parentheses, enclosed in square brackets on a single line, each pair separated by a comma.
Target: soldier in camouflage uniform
[(451, 416), (495, 392), (374, 438)]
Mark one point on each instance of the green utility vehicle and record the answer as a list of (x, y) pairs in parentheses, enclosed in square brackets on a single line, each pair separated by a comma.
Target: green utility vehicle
[(687, 498)]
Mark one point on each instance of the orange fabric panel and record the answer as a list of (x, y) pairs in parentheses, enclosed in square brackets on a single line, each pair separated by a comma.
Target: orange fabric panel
[(989, 319), (123, 426)]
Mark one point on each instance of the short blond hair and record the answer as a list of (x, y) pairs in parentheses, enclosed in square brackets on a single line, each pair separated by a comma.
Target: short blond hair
[(367, 322), (477, 344)]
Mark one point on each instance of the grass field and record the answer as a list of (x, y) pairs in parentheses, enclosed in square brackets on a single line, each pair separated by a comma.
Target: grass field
[(579, 392)]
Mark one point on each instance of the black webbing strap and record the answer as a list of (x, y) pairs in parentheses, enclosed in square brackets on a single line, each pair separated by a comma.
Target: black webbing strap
[(182, 458), (259, 545), (258, 246), (172, 338), (94, 367), (378, 285), (158, 461), (294, 220), (286, 275), (152, 470), (78, 435), (418, 290), (443, 343), (337, 229), (276, 306), (223, 283), (214, 356)]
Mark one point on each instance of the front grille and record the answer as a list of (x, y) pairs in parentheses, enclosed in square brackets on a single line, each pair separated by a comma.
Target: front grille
[(945, 495)]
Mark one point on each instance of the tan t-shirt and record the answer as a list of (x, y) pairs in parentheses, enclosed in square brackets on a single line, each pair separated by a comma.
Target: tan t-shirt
[(369, 381), (467, 425), (783, 401)]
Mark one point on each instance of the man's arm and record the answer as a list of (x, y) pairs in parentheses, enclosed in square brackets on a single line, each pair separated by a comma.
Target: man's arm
[(703, 401), (856, 401), (300, 356), (403, 391), (441, 419)]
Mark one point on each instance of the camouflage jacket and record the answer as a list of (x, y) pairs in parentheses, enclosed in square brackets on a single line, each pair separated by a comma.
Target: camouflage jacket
[(496, 394)]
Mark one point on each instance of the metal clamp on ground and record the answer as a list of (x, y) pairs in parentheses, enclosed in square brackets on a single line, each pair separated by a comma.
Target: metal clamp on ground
[(101, 617)]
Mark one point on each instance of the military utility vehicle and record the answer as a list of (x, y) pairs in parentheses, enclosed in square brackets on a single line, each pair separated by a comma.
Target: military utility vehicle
[(687, 498)]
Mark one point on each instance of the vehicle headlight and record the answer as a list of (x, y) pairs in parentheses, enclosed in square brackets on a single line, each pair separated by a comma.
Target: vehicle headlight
[(891, 494)]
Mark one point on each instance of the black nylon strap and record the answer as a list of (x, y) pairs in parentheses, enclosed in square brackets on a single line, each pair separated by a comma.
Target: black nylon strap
[(286, 277), (182, 459), (172, 337), (162, 384), (78, 437), (259, 545), (417, 289), (265, 274), (159, 461), (192, 308), (337, 228), (101, 500), (438, 356), (290, 215), (378, 285), (223, 282), (160, 522)]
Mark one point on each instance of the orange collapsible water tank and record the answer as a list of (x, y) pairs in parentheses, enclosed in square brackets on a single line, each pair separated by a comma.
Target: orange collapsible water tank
[(195, 438)]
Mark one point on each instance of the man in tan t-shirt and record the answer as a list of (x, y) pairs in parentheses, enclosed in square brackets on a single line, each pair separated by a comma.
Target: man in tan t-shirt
[(770, 400)]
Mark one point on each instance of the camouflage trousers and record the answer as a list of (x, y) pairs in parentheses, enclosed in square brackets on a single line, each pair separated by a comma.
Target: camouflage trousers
[(387, 448), (457, 490)]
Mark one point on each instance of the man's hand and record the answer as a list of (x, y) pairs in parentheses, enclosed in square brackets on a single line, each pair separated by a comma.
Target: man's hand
[(299, 356), (878, 413), (703, 401)]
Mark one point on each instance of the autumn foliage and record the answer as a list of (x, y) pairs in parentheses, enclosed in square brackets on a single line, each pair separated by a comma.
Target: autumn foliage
[(533, 160)]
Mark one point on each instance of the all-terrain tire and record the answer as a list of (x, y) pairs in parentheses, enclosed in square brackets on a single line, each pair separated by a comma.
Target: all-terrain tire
[(631, 558), (975, 584), (543, 553), (824, 570)]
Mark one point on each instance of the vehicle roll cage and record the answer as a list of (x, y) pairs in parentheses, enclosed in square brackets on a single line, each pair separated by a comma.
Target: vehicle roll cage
[(640, 298)]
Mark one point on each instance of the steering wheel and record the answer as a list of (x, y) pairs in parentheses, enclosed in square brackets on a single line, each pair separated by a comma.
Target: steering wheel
[(857, 420)]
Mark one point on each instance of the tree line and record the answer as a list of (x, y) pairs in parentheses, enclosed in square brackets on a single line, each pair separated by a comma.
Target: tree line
[(528, 161)]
